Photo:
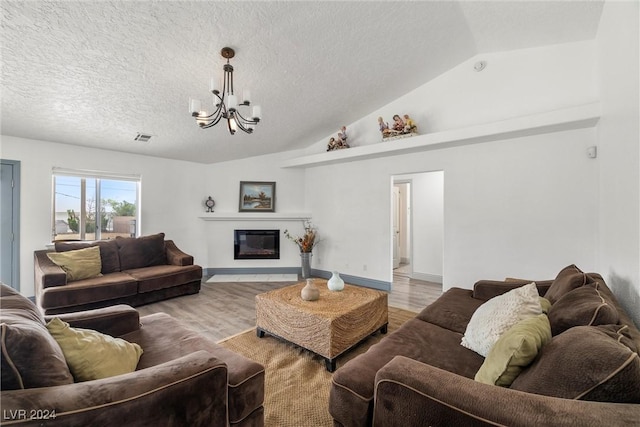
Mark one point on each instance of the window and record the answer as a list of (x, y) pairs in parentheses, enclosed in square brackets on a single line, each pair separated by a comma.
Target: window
[(89, 205)]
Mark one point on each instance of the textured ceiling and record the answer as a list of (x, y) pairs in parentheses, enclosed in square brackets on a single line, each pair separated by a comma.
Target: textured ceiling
[(97, 73)]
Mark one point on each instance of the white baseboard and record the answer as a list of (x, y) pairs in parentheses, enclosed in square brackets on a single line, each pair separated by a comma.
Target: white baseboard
[(427, 277)]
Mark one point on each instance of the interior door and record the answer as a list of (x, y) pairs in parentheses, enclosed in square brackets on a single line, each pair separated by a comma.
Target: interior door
[(9, 223), (396, 227)]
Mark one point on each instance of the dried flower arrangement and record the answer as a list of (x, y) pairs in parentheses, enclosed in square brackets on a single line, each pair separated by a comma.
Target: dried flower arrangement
[(308, 239)]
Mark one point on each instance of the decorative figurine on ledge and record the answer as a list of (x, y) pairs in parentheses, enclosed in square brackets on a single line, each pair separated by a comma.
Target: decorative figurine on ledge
[(400, 128), (398, 124), (340, 142), (384, 128), (209, 203), (410, 125)]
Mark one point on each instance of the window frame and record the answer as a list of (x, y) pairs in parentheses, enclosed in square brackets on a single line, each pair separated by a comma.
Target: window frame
[(98, 176)]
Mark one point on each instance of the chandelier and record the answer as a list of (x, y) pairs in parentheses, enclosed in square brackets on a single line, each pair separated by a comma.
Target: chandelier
[(226, 103)]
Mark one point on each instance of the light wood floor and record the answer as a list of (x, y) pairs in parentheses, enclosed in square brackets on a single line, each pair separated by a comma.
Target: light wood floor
[(224, 309), (411, 294)]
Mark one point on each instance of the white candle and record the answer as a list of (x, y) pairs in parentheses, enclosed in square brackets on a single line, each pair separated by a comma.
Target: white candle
[(246, 96), (232, 101), (194, 105), (233, 125), (213, 86), (257, 112)]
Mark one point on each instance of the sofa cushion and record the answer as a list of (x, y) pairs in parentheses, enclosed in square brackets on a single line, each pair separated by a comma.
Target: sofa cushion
[(568, 279), (514, 350), (139, 252), (108, 252), (30, 357), (102, 288), (164, 339), (78, 264), (598, 363), (497, 315), (353, 384), (583, 306), (92, 355), (487, 289), (164, 276), (452, 310)]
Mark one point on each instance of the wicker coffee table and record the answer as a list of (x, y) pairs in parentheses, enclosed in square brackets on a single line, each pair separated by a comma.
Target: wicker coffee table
[(329, 326)]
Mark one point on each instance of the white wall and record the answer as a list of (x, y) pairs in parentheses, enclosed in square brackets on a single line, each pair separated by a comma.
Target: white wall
[(222, 182), (619, 152), (428, 225), (171, 194), (513, 84), (524, 207)]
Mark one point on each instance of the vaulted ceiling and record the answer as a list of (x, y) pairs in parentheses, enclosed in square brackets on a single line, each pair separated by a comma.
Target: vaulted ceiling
[(96, 74)]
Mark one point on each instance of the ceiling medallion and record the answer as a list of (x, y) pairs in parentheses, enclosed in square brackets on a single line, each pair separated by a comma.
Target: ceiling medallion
[(226, 103)]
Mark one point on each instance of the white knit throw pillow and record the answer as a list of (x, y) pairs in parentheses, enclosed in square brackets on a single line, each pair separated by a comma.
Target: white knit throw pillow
[(496, 316)]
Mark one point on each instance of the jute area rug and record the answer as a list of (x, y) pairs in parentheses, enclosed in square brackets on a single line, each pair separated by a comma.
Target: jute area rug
[(296, 381)]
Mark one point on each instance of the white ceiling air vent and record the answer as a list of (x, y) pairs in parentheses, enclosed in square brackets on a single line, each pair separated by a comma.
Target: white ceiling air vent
[(142, 137)]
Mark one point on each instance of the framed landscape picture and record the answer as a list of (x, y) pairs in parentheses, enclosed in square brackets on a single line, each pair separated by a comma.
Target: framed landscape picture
[(257, 196)]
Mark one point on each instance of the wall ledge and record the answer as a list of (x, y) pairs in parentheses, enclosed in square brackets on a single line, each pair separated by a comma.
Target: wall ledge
[(570, 118), (250, 216)]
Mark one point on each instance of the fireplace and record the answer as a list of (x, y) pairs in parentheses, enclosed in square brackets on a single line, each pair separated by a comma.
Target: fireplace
[(256, 244)]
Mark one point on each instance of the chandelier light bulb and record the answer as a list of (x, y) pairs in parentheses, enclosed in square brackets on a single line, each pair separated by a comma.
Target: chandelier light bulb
[(246, 97)]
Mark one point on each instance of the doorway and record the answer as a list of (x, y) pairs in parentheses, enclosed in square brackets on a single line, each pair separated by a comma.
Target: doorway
[(418, 225), (10, 223), (402, 227)]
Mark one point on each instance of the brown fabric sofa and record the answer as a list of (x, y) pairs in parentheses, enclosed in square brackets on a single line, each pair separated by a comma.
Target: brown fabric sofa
[(182, 379), (135, 271), (588, 374)]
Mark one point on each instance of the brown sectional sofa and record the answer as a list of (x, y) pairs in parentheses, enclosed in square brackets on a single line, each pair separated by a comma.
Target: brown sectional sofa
[(587, 374), (182, 378), (135, 271)]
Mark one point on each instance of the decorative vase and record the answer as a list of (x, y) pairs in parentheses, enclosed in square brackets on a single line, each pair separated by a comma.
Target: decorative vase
[(310, 292), (335, 283), (306, 264)]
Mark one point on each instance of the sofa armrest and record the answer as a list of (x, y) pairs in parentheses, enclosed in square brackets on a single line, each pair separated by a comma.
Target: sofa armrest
[(191, 390), (410, 393), (487, 289), (175, 256), (115, 320), (47, 273)]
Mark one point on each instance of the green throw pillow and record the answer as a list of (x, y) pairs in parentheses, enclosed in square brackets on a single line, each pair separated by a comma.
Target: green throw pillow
[(92, 355), (514, 350), (545, 304), (79, 264)]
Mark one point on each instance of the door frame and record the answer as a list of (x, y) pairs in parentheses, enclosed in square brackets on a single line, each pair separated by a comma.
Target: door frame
[(15, 221)]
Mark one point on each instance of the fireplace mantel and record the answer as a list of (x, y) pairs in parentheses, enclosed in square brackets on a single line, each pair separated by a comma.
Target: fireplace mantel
[(263, 216)]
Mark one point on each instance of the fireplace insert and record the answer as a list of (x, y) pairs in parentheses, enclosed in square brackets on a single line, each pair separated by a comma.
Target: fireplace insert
[(256, 244)]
